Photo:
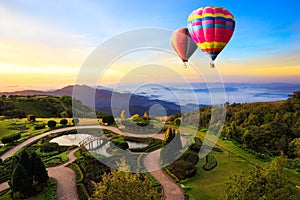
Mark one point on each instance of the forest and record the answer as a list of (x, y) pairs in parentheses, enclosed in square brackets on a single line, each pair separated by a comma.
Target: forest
[(266, 129)]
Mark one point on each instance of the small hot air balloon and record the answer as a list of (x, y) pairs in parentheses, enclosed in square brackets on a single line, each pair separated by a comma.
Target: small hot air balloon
[(211, 29), (183, 44)]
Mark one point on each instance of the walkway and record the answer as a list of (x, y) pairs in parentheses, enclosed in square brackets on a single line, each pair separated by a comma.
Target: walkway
[(65, 177)]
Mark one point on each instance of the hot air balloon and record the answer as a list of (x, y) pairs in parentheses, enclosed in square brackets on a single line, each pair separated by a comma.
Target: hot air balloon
[(211, 29), (183, 44)]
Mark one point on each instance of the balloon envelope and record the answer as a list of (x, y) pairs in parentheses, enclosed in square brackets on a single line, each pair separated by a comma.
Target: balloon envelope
[(183, 44), (211, 29)]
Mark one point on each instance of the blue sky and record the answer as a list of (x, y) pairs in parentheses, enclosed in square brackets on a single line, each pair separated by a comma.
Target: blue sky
[(267, 34)]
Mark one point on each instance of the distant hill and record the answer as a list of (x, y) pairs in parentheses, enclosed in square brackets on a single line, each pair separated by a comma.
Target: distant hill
[(108, 101), (43, 106)]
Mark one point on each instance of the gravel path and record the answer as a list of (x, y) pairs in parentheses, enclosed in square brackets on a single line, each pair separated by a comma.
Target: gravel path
[(65, 177), (65, 180)]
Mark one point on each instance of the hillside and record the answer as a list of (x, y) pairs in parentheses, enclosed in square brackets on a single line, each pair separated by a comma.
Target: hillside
[(107, 101), (267, 129), (42, 106)]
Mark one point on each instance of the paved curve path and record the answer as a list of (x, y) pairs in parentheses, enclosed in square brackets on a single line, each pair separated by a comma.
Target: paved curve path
[(172, 191), (63, 175), (65, 179)]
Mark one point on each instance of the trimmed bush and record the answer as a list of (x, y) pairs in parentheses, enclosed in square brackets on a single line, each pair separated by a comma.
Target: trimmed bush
[(49, 147), (9, 139), (190, 156), (39, 126), (51, 124), (63, 122), (183, 170), (210, 163), (121, 144)]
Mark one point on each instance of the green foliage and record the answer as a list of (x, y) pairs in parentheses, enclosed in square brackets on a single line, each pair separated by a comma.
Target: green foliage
[(40, 174), (82, 192), (51, 124), (78, 172), (120, 142), (210, 162), (63, 122), (108, 119), (119, 185), (39, 126), (254, 183), (183, 169), (49, 147), (266, 128), (44, 107), (177, 121), (9, 139), (21, 183)]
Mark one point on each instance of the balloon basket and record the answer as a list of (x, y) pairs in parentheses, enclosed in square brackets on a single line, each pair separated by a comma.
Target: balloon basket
[(212, 64)]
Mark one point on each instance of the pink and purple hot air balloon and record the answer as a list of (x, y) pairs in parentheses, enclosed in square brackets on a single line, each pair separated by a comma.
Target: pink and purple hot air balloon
[(211, 28)]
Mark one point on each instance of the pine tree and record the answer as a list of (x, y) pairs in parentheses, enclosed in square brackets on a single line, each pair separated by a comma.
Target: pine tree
[(40, 173), (21, 181)]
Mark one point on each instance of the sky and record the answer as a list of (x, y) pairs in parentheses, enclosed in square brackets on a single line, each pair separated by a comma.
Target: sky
[(43, 44)]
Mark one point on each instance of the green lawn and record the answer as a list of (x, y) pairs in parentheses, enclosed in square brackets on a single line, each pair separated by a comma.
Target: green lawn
[(210, 184)]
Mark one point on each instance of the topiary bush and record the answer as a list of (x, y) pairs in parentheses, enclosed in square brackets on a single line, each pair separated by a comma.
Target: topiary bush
[(39, 126), (51, 124), (210, 163), (49, 146), (63, 122)]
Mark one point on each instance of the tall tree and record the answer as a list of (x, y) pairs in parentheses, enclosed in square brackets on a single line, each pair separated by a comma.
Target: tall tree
[(40, 172), (20, 180)]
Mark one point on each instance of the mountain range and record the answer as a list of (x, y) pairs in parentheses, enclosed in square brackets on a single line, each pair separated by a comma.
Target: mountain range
[(108, 101)]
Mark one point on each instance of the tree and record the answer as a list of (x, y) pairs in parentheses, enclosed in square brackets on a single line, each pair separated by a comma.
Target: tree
[(123, 115), (108, 119), (31, 118), (146, 116), (21, 181), (63, 122), (119, 185), (51, 124), (26, 162), (40, 172), (177, 121), (255, 183)]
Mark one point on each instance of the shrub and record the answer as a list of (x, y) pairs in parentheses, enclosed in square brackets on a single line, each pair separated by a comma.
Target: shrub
[(49, 146), (210, 163), (75, 121), (63, 122), (9, 139), (108, 119), (190, 156), (51, 124), (177, 121), (39, 126), (121, 144), (183, 170)]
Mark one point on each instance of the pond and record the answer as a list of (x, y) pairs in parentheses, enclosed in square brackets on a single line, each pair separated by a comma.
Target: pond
[(75, 139)]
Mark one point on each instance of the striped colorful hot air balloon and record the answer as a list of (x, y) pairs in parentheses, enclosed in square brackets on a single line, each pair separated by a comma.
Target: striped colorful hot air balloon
[(183, 44), (211, 29)]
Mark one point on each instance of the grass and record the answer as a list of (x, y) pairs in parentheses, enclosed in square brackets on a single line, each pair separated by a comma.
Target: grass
[(210, 184), (78, 172)]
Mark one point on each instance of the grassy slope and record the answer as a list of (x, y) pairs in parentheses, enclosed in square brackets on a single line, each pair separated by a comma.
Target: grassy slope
[(211, 184)]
